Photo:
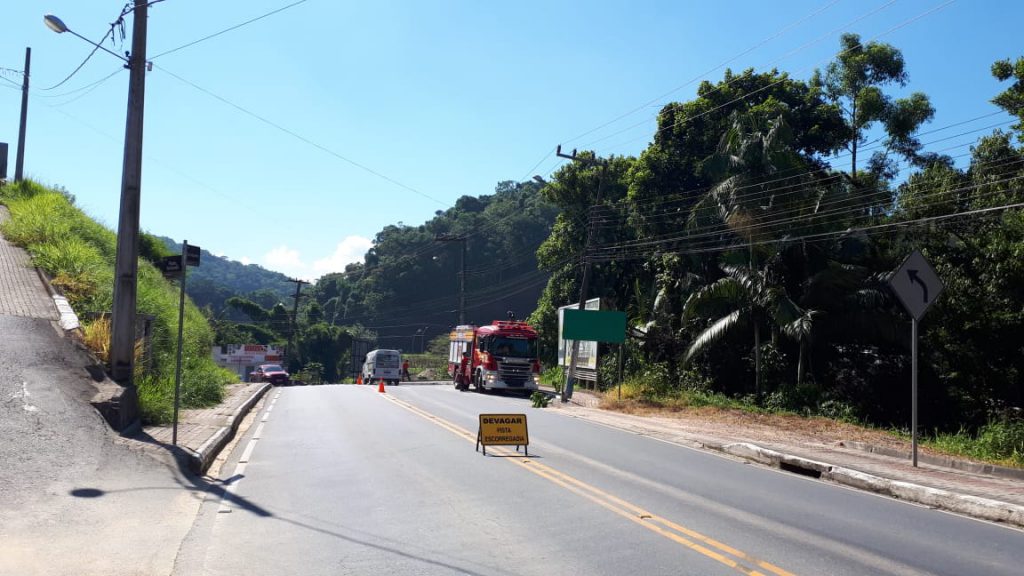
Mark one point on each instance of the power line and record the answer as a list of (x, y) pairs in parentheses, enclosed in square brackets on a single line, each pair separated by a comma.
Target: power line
[(687, 195), (116, 24), (79, 89), (862, 201), (712, 245), (645, 105), (681, 121), (226, 30), (299, 137)]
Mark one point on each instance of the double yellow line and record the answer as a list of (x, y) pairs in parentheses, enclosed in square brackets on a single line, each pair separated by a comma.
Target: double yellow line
[(691, 539)]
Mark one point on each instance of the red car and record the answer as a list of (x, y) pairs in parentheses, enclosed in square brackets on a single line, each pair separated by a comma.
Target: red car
[(272, 373)]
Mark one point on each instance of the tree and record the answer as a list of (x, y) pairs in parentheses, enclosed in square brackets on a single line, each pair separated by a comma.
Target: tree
[(854, 82), (1011, 99)]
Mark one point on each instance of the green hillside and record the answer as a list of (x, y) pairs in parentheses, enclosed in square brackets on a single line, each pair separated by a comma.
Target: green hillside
[(78, 253)]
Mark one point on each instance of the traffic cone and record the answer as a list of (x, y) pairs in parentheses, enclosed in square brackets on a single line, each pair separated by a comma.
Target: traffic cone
[(380, 387), (359, 379)]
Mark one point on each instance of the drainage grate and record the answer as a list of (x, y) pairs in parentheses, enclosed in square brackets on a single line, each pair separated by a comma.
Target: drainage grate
[(800, 470)]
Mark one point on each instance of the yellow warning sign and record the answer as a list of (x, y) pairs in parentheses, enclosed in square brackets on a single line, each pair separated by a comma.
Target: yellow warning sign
[(502, 430)]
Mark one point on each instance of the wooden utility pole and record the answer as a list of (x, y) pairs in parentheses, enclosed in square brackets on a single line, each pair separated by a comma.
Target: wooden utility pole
[(295, 314), (570, 377), (19, 162), (126, 265)]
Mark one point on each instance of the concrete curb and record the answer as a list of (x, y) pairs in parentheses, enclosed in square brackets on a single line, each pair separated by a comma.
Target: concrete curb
[(67, 318), (943, 461), (199, 460), (973, 506)]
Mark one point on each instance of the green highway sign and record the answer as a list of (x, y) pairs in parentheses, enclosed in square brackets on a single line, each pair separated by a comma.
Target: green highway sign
[(594, 325)]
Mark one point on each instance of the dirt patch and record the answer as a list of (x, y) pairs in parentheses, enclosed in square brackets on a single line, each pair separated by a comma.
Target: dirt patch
[(758, 427)]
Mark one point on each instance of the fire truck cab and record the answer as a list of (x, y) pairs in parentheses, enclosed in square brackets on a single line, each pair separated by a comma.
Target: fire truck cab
[(502, 356)]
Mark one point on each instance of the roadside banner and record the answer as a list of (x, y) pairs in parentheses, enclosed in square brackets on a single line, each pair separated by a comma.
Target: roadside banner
[(503, 430)]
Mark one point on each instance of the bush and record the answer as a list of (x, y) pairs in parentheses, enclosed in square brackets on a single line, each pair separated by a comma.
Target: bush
[(1000, 440), (553, 377), (540, 399)]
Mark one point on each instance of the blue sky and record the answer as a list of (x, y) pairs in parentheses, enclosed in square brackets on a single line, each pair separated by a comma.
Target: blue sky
[(441, 98)]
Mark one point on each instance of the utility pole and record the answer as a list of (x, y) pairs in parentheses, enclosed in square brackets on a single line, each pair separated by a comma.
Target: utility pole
[(570, 378), (126, 267), (462, 273), (19, 162), (295, 313)]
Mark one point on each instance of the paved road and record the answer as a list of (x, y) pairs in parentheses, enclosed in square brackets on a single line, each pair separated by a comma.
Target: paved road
[(344, 480)]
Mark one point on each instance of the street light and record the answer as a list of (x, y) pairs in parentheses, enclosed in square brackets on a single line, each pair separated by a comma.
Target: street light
[(122, 331), (58, 26)]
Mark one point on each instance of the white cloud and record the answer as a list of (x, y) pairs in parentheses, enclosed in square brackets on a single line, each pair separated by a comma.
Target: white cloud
[(351, 249), (285, 260), (245, 260)]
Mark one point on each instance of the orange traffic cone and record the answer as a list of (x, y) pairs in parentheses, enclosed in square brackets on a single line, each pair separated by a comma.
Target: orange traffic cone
[(380, 387), (359, 379)]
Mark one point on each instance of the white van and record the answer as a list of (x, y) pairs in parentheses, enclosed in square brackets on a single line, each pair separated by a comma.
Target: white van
[(383, 365)]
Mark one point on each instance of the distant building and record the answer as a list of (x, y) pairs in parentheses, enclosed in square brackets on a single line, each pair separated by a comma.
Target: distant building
[(244, 358)]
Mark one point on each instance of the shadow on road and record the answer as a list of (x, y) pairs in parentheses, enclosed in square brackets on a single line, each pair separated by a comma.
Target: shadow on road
[(216, 487)]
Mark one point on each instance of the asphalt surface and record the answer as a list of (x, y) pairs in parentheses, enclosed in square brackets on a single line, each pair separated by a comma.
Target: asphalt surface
[(344, 480), (75, 498), (73, 495)]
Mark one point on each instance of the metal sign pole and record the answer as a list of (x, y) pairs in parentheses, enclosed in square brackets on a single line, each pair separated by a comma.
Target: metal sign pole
[(181, 324), (913, 388)]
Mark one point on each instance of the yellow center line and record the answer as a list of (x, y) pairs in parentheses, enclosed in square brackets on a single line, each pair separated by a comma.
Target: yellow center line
[(673, 531)]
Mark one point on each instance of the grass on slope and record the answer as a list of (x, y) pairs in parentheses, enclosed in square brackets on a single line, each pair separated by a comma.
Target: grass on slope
[(78, 253)]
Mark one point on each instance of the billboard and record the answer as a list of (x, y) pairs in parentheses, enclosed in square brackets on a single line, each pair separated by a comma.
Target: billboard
[(588, 350), (243, 358)]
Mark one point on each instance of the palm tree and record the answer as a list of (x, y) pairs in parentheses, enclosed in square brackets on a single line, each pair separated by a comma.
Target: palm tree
[(748, 298)]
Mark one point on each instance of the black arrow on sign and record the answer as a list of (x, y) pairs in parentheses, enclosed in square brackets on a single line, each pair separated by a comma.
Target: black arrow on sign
[(915, 278)]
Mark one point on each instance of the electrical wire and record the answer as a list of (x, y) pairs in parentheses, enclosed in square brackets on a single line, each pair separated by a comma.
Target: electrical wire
[(687, 195), (725, 63), (712, 245), (81, 88), (298, 136), (118, 23), (226, 30), (681, 121), (861, 201)]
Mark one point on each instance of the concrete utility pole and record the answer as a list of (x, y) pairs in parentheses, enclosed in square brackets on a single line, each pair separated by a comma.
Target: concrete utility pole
[(19, 162), (462, 273), (570, 378), (295, 313), (126, 267)]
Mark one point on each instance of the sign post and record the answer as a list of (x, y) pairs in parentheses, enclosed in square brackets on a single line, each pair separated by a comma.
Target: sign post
[(503, 430), (916, 285), (175, 265)]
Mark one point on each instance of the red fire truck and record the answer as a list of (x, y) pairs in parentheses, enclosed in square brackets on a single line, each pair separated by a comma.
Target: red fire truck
[(502, 356)]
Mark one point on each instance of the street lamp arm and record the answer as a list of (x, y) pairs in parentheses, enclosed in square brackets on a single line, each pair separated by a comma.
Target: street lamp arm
[(100, 46), (57, 25)]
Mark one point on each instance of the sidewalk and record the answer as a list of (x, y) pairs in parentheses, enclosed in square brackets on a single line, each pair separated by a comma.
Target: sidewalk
[(22, 291), (968, 488), (203, 432)]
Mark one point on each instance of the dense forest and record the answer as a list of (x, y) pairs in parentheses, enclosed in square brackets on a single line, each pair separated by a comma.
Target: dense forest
[(751, 242)]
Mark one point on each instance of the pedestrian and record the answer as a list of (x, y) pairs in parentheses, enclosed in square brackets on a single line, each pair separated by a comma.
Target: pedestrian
[(462, 376), (405, 370)]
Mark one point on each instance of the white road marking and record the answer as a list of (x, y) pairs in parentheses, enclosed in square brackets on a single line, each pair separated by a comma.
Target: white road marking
[(248, 452), (23, 396), (225, 506)]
